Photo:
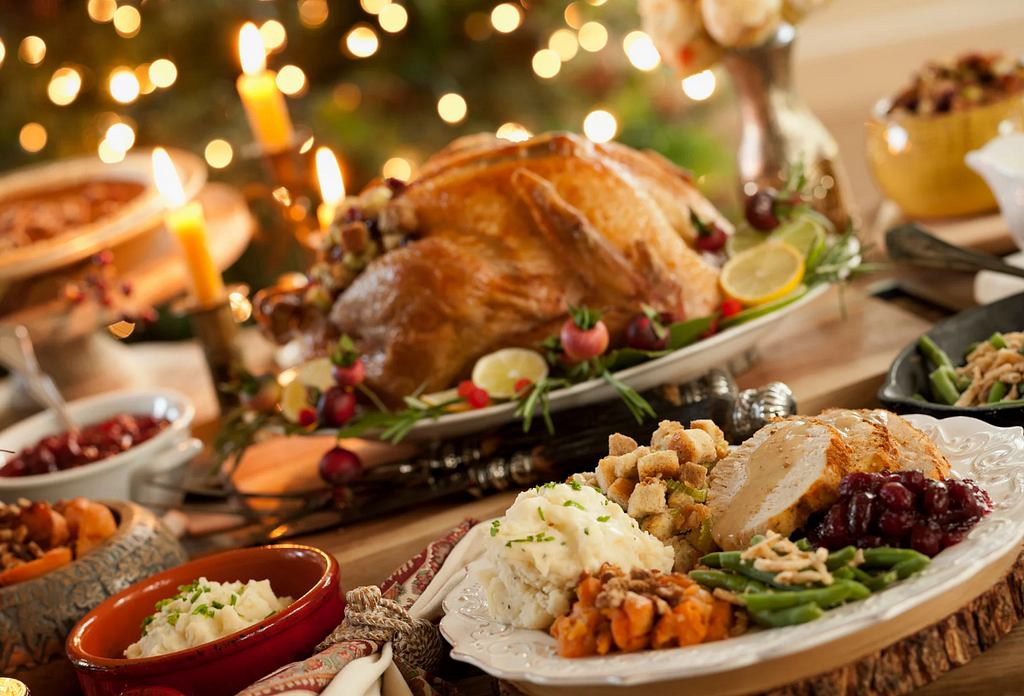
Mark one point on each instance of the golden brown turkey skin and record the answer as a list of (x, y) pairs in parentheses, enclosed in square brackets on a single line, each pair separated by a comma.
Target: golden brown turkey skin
[(508, 237)]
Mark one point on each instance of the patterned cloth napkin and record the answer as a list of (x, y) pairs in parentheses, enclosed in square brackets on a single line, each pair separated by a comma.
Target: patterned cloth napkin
[(370, 664)]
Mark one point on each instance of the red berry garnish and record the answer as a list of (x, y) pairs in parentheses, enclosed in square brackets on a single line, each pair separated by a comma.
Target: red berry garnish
[(731, 307), (712, 330), (336, 407), (760, 210), (466, 388), (478, 398), (307, 417), (126, 287), (340, 466), (103, 258), (583, 344), (714, 240), (522, 387), (647, 332), (351, 376)]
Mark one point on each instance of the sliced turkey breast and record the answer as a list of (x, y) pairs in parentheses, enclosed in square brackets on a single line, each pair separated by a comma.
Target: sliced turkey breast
[(776, 480), (874, 448), (916, 450)]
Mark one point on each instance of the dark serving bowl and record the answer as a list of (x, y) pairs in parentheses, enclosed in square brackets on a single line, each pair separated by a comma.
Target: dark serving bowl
[(909, 372)]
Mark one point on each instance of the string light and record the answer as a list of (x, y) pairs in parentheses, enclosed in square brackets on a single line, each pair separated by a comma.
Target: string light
[(600, 126), (3, 52), (274, 36), (393, 19), (127, 21), (564, 43), (506, 17), (374, 6), (121, 137), (513, 132), (291, 80), (124, 87), (597, 3), (452, 108), (361, 41), (641, 51), (32, 137), (478, 26), (146, 85), (593, 36), (700, 86), (573, 16), (398, 168), (306, 145), (64, 86), (32, 50), (546, 63), (101, 11), (219, 153), (312, 13), (108, 154), (163, 73), (347, 96)]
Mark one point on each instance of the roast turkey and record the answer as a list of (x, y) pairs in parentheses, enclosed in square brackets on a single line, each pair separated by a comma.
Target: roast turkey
[(490, 245), (914, 450)]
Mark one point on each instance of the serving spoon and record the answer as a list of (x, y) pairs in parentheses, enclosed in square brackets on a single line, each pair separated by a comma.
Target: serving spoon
[(910, 244), (18, 356)]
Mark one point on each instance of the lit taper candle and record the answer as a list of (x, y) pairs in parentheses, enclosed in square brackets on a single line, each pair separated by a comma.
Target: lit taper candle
[(263, 101)]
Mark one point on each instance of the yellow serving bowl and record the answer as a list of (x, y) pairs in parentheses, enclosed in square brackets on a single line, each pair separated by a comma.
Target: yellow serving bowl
[(918, 161)]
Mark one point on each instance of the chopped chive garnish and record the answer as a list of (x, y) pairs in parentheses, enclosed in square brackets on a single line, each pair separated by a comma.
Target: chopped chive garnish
[(173, 618), (604, 519), (217, 605), (586, 530), (234, 598), (163, 603), (201, 609), (576, 485), (146, 621), (269, 615), (541, 513), (194, 598), (573, 503)]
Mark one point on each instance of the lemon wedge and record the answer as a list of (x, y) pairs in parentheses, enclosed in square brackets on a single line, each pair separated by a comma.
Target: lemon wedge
[(805, 233), (498, 372), (438, 398), (742, 239), (294, 399), (764, 273), (316, 373)]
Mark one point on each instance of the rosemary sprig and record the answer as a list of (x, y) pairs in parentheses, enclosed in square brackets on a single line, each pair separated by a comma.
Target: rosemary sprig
[(636, 404), (396, 424), (530, 396)]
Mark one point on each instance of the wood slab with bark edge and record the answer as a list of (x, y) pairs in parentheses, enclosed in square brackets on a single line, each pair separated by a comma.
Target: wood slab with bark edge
[(919, 657)]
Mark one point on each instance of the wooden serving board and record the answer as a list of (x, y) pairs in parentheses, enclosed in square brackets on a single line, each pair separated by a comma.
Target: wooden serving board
[(894, 658)]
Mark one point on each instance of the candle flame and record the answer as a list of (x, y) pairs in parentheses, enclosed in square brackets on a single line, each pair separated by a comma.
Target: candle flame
[(251, 50), (166, 177), (332, 188)]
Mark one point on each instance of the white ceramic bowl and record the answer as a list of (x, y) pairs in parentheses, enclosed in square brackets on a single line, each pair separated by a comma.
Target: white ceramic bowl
[(121, 477)]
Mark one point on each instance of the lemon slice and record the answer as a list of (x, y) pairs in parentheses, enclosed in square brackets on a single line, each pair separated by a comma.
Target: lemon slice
[(438, 398), (805, 233), (498, 372), (762, 274), (316, 373), (742, 239), (294, 399)]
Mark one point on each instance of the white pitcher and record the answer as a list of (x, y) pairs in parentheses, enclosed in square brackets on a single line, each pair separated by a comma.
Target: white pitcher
[(1001, 164)]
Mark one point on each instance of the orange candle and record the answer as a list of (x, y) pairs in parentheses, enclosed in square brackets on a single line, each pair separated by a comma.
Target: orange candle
[(263, 101), (188, 224)]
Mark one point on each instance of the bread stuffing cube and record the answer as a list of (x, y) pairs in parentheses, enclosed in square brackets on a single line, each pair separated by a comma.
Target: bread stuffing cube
[(648, 498), (664, 464), (623, 465), (691, 445), (662, 525), (620, 490), (679, 499), (620, 444), (686, 555), (605, 473), (710, 428), (693, 475), (586, 478), (691, 517)]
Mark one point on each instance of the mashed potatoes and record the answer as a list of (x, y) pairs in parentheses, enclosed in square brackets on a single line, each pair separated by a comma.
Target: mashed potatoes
[(547, 538), (202, 612)]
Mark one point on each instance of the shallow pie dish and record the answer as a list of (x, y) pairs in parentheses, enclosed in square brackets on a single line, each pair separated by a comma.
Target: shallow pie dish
[(760, 661)]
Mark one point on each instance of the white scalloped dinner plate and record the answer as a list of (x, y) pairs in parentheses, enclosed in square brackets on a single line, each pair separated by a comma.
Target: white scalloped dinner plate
[(992, 456)]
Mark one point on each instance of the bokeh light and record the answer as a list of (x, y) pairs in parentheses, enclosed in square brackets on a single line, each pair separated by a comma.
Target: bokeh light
[(124, 87), (506, 17), (219, 153), (641, 51), (3, 52), (600, 126), (514, 132), (393, 18), (120, 136), (291, 80), (596, 3), (146, 85), (32, 137), (347, 96), (108, 154), (274, 36), (546, 63), (700, 86), (564, 43), (398, 168), (101, 11), (32, 50), (312, 13), (163, 73), (64, 86), (127, 21), (374, 6), (452, 108), (573, 16), (593, 36), (478, 26), (361, 41)]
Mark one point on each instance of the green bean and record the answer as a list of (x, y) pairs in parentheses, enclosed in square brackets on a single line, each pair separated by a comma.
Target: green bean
[(963, 383), (803, 544), (944, 390), (935, 355), (727, 581), (970, 349), (997, 340), (837, 559), (789, 617), (904, 569), (887, 557), (996, 392), (733, 562), (713, 560), (882, 580), (861, 575), (844, 573), (824, 597), (756, 539)]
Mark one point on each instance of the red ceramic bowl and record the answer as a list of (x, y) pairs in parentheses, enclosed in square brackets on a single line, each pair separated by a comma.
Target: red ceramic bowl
[(226, 666)]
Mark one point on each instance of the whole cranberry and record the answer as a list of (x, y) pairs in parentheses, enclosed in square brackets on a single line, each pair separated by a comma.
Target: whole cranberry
[(336, 407), (351, 376), (760, 210), (913, 479), (925, 539), (478, 398), (936, 498), (713, 240), (896, 496), (731, 307), (894, 523), (869, 541), (340, 466), (854, 483), (644, 333), (860, 513)]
